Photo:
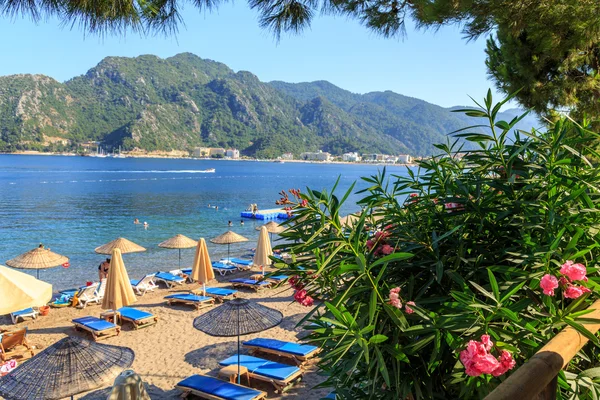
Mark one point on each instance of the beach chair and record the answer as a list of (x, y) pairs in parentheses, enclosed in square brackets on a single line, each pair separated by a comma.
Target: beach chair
[(220, 294), (144, 285), (14, 344), (168, 279), (207, 387), (241, 263), (101, 289), (98, 328), (22, 314), (330, 396), (191, 299), (281, 376), (300, 353), (223, 269), (88, 295), (277, 278), (250, 283), (139, 319)]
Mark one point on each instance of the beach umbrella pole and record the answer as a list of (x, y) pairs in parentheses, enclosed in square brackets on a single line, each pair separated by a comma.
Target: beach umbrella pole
[(239, 378), (179, 258), (228, 256)]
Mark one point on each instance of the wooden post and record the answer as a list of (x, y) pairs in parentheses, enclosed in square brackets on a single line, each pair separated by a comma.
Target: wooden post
[(537, 377)]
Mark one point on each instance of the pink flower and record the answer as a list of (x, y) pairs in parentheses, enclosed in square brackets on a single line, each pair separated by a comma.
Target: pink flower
[(304, 203), (548, 284), (370, 244), (407, 308), (307, 301), (395, 290), (387, 249), (487, 342), (394, 296), (295, 282), (575, 272), (396, 303), (506, 363), (574, 292), (413, 195), (300, 295), (563, 282)]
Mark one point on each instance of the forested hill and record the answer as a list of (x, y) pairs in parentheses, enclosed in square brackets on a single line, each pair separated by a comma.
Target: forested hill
[(182, 102)]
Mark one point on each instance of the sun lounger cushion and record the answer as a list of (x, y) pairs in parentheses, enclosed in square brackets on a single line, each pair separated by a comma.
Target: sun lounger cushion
[(249, 282), (278, 278), (259, 366), (95, 324), (27, 311), (187, 271), (134, 314), (330, 396), (219, 265), (281, 346), (188, 297), (218, 388), (241, 261), (220, 292), (166, 276)]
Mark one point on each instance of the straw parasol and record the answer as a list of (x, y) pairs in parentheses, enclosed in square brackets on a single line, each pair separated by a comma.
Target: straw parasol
[(238, 317), (128, 385), (349, 219), (228, 238), (118, 292), (126, 246), (178, 242), (202, 271), (272, 227), (38, 258), (263, 250), (68, 367), (20, 290)]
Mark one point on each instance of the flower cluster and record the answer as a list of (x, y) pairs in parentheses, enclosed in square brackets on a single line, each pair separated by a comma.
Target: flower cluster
[(397, 302), (571, 272), (300, 294), (478, 360), (379, 242)]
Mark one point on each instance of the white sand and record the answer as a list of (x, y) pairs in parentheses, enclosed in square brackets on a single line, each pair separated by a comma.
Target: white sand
[(173, 349)]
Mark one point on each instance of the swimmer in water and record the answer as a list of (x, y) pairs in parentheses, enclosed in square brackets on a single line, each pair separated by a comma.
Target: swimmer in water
[(136, 221), (146, 225), (242, 222), (230, 223)]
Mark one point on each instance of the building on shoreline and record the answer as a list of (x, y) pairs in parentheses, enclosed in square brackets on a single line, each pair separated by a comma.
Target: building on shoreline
[(232, 153), (287, 156), (318, 156), (351, 157), (209, 152)]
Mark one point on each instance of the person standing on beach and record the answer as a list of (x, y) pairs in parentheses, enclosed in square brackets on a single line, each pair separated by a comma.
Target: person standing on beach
[(103, 269)]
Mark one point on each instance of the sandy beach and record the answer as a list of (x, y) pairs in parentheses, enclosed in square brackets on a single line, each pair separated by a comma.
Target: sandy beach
[(173, 349)]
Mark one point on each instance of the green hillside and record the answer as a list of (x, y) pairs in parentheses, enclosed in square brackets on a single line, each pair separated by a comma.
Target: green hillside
[(152, 104)]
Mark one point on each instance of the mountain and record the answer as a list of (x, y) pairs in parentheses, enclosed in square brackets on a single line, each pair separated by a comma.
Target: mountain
[(151, 104)]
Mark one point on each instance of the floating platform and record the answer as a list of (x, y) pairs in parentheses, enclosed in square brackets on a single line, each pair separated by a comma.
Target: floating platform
[(267, 215)]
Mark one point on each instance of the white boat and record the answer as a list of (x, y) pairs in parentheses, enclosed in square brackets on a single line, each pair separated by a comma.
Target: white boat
[(209, 170)]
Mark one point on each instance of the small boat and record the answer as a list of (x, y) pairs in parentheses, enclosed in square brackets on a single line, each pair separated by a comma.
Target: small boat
[(209, 170)]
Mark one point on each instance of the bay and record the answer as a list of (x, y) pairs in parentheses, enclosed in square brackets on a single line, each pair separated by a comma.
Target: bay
[(74, 204)]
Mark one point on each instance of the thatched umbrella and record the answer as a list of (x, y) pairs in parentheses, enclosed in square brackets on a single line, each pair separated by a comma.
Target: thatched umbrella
[(202, 271), (228, 238), (128, 386), (349, 219), (68, 367), (118, 292), (238, 317), (178, 242), (38, 258), (126, 246), (272, 227), (20, 290), (263, 250)]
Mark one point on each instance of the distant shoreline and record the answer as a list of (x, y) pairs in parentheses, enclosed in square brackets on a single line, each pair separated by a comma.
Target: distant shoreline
[(165, 156)]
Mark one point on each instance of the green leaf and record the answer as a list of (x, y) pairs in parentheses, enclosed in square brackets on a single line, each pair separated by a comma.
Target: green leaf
[(494, 285), (376, 339)]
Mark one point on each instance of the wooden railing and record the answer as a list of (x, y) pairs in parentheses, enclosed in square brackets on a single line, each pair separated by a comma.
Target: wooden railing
[(537, 378)]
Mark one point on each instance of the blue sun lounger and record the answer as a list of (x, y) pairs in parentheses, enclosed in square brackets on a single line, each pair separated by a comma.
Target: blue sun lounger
[(139, 318), (169, 279), (187, 271), (277, 278), (208, 387), (330, 396), (279, 375), (191, 299), (298, 352), (222, 268), (250, 283), (220, 293), (98, 328), (22, 314), (242, 263)]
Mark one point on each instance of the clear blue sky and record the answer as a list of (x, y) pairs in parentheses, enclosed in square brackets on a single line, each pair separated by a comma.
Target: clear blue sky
[(439, 67)]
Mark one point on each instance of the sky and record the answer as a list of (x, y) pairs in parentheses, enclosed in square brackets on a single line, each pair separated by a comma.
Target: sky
[(437, 66)]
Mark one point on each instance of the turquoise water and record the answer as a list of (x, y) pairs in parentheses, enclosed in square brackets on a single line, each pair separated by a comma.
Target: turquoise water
[(74, 204)]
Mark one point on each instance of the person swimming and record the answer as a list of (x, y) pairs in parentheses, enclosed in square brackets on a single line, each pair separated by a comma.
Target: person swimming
[(136, 221), (230, 223), (146, 225), (242, 222)]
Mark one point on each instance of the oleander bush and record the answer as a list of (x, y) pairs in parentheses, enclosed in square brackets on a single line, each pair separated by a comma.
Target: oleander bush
[(453, 276)]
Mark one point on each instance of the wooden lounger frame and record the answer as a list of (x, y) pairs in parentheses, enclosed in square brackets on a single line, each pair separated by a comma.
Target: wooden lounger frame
[(250, 286), (199, 306), (298, 359), (219, 298), (187, 391), (280, 386), (98, 335), (140, 323), (14, 344)]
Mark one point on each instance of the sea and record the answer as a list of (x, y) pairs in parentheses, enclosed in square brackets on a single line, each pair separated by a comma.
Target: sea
[(74, 204)]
